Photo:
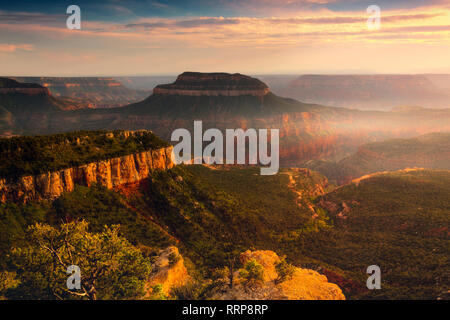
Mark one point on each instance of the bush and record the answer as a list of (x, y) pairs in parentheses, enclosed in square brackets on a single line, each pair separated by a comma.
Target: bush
[(158, 293), (173, 258), (193, 290), (252, 273), (284, 270)]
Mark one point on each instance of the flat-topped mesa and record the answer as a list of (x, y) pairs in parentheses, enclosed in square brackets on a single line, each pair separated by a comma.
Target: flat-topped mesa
[(35, 168), (109, 173), (213, 84), (12, 86)]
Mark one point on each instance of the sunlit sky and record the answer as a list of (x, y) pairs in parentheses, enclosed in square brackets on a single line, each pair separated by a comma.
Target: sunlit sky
[(249, 36)]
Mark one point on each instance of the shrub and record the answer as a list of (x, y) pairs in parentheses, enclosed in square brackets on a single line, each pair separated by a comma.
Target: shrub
[(173, 258), (284, 270), (158, 293), (193, 290), (252, 273)]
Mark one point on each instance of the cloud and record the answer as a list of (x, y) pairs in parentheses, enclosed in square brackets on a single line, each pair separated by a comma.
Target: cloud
[(117, 9), (5, 47), (355, 19), (184, 23), (8, 17)]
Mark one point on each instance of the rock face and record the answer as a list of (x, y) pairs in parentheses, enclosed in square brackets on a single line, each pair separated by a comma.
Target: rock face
[(109, 173), (99, 92), (213, 84), (426, 151), (8, 86), (305, 284), (307, 132), (169, 275), (368, 92)]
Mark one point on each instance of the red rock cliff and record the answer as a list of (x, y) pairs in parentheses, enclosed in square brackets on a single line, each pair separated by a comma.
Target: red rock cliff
[(109, 173)]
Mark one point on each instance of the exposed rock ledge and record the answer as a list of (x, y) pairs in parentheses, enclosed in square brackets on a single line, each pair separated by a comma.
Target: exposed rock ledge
[(305, 284), (213, 84), (166, 273), (109, 173)]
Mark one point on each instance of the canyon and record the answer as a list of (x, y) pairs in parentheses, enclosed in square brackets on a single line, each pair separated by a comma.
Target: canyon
[(90, 92), (366, 92), (426, 151), (307, 131)]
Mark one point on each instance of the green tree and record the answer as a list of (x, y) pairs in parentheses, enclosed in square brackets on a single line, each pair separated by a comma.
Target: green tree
[(111, 268), (284, 270), (252, 273), (158, 293)]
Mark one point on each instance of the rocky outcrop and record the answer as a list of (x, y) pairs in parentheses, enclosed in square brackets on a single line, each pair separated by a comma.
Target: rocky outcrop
[(305, 284), (29, 91), (213, 84), (169, 271), (109, 173), (92, 92), (8, 86)]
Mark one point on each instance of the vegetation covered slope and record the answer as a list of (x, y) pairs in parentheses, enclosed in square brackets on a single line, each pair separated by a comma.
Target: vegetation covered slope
[(31, 155), (398, 221), (427, 151)]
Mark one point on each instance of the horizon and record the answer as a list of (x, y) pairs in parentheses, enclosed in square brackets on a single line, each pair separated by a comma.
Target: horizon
[(248, 74)]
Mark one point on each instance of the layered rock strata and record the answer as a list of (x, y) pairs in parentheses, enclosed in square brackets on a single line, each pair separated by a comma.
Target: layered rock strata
[(109, 173)]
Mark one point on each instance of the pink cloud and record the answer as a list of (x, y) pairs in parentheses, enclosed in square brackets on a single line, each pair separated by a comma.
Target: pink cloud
[(5, 47)]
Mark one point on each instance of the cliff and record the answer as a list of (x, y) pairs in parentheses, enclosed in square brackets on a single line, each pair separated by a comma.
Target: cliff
[(305, 284), (367, 92), (222, 101), (8, 86), (425, 151), (213, 84), (94, 92), (109, 173)]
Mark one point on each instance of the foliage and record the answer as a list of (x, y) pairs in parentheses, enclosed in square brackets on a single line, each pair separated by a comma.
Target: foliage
[(284, 270), (32, 155), (111, 268), (252, 273), (193, 290), (158, 293), (100, 207), (14, 220), (8, 281), (398, 221)]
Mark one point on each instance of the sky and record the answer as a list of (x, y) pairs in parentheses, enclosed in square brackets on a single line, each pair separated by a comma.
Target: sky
[(146, 37)]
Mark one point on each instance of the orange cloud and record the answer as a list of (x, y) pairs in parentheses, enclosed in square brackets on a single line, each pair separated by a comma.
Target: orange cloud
[(4, 47)]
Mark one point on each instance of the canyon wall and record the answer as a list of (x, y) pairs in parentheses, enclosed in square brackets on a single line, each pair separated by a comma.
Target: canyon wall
[(367, 92), (93, 92), (30, 91), (109, 173)]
